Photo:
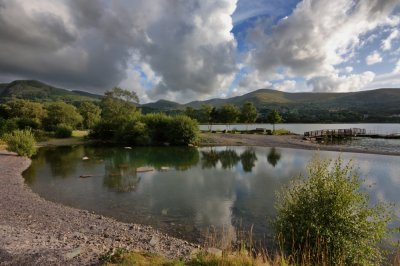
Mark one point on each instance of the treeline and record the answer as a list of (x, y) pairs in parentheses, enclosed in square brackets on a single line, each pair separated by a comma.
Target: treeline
[(230, 113), (115, 118)]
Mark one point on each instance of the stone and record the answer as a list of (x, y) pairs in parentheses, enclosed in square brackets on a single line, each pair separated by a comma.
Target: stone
[(73, 253), (154, 241)]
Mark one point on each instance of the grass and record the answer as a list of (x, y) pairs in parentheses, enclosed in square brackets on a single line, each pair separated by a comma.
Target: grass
[(80, 133)]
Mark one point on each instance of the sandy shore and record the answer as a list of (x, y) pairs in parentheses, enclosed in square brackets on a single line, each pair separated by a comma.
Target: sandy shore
[(284, 141), (34, 231)]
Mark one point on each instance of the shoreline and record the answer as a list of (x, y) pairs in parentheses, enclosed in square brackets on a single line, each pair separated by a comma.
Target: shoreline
[(34, 231), (279, 141)]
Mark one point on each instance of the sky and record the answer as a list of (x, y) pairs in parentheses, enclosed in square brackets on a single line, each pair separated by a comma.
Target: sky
[(185, 50)]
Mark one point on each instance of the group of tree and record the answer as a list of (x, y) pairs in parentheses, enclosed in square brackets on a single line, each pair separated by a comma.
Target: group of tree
[(42, 118), (229, 114), (122, 122)]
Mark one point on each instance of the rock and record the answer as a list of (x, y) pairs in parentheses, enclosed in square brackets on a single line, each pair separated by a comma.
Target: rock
[(128, 148), (164, 168), (194, 252), (73, 253), (85, 158), (144, 169), (215, 251), (164, 211), (154, 240)]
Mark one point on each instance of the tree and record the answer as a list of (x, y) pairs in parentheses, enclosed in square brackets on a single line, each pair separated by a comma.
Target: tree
[(327, 216), (24, 110), (228, 114), (191, 112), (205, 114), (273, 118), (248, 113), (61, 113), (119, 105), (90, 113)]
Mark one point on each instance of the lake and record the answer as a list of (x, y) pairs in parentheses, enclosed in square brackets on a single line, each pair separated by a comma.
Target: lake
[(191, 190), (384, 128)]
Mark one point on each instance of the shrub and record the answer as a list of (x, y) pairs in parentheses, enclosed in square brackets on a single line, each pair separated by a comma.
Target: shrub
[(63, 131), (158, 127), (183, 130), (22, 142), (327, 217)]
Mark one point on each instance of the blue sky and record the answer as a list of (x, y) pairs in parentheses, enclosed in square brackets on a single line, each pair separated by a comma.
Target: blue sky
[(199, 49)]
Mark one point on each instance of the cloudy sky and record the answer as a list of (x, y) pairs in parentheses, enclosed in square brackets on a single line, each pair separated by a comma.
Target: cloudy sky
[(187, 50)]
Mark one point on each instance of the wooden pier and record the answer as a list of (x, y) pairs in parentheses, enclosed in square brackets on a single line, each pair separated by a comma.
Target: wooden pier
[(346, 133), (334, 133)]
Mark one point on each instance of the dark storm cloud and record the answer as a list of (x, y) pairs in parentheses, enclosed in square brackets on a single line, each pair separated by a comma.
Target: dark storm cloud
[(91, 44)]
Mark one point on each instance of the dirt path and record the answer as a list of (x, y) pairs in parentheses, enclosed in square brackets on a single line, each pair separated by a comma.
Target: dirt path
[(284, 141), (34, 231)]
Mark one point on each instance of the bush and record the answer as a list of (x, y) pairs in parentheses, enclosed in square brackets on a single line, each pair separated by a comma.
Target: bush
[(158, 127), (183, 130), (63, 131), (22, 142), (327, 217)]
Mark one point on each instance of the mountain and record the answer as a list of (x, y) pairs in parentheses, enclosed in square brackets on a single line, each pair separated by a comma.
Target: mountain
[(38, 91), (163, 105), (381, 105)]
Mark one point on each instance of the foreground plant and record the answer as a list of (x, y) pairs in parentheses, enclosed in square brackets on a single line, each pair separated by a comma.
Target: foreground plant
[(22, 142), (325, 218)]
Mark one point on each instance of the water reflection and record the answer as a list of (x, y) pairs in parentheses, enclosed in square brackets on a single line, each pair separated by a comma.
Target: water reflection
[(273, 157), (190, 189), (229, 158)]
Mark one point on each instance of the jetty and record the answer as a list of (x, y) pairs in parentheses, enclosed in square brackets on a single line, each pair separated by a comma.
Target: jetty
[(345, 133)]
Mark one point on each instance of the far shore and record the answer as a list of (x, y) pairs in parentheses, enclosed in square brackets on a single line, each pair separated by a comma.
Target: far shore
[(279, 141)]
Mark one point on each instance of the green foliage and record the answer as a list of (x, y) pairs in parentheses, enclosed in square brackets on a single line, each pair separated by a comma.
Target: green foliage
[(248, 113), (90, 113), (23, 109), (183, 130), (63, 131), (177, 130), (61, 113), (118, 105), (22, 142), (327, 216), (274, 117), (228, 114)]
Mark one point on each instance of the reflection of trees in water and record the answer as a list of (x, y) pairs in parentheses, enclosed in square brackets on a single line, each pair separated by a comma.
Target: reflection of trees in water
[(229, 158), (248, 159), (121, 165), (273, 157)]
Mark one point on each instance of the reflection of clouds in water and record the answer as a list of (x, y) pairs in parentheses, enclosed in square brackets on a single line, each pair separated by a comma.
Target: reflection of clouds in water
[(195, 195)]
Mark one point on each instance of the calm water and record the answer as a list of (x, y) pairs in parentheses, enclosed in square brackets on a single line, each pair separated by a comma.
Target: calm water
[(301, 128), (191, 189)]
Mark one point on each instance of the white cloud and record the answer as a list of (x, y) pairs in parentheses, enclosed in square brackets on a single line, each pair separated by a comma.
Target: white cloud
[(373, 58), (397, 68), (387, 43), (286, 85), (318, 36), (336, 83)]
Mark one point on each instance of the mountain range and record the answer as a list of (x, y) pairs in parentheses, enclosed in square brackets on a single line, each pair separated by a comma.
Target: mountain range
[(383, 101)]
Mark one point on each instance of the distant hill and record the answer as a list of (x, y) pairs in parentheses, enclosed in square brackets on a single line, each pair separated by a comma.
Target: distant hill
[(38, 91), (163, 105), (381, 105)]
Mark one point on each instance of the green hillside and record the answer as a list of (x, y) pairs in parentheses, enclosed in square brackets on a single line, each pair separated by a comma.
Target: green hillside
[(38, 91)]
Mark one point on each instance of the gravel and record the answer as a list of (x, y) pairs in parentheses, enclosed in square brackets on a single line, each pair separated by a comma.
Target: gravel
[(34, 231)]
